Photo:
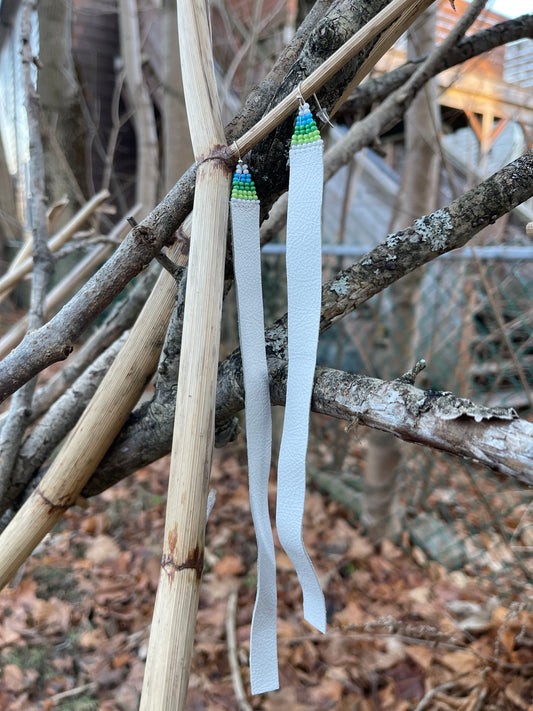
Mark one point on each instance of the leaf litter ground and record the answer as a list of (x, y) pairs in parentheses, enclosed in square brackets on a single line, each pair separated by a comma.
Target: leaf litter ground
[(403, 633)]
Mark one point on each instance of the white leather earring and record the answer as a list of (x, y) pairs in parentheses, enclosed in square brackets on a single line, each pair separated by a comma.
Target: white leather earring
[(304, 291), (247, 266), (304, 277)]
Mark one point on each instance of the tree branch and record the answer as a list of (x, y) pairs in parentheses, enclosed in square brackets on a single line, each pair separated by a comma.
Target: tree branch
[(43, 263), (55, 340), (147, 434), (378, 88)]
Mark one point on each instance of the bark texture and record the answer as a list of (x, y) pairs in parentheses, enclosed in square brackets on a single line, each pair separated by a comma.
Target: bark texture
[(417, 195), (147, 434), (56, 339)]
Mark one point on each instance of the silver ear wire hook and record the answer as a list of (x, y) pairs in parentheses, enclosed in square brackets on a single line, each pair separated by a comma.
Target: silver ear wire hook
[(322, 114), (300, 95), (238, 151)]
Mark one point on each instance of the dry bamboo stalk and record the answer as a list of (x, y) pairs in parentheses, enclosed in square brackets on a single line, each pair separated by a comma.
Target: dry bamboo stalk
[(174, 620), (383, 44), (321, 75), (80, 272), (52, 214), (14, 276), (23, 253), (20, 540), (100, 423)]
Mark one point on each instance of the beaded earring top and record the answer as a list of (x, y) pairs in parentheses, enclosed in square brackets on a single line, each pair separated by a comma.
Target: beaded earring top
[(243, 187), (305, 130)]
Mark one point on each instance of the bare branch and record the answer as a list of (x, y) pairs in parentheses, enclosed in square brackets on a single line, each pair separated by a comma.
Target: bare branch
[(56, 424), (55, 340), (148, 433), (43, 263), (377, 89)]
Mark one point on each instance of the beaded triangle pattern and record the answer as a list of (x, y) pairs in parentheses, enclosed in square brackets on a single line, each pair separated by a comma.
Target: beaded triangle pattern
[(243, 187), (305, 130)]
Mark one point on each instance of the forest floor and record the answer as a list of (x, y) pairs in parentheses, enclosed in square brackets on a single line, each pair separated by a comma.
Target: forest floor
[(403, 633)]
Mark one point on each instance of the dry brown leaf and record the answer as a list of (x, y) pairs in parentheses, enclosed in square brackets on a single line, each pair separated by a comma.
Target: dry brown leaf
[(422, 656), (102, 548), (360, 548), (96, 524), (520, 692), (283, 562), (8, 637), (420, 594), (507, 639), (52, 614), (394, 654), (13, 678), (460, 661), (120, 660), (229, 565), (352, 614), (93, 639)]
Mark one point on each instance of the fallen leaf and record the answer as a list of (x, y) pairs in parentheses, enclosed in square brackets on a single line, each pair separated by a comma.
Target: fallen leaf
[(460, 661), (102, 548), (13, 678), (229, 565), (520, 692), (422, 656), (93, 639), (352, 614), (421, 594)]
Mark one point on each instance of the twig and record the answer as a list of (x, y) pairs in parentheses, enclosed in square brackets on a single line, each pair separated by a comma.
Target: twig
[(143, 110), (94, 432), (483, 275), (57, 423), (54, 343), (348, 290), (13, 277), (70, 693), (364, 132), (393, 107), (231, 638), (322, 75), (423, 703), (65, 287)]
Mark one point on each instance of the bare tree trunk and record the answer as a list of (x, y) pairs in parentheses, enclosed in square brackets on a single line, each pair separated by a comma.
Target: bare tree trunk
[(418, 195), (143, 111)]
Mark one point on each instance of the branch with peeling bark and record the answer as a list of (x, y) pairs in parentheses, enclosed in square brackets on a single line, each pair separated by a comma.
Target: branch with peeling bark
[(399, 254), (309, 47), (496, 437), (146, 436)]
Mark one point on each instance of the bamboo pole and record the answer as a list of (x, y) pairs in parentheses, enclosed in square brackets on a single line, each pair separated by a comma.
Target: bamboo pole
[(19, 538), (15, 275), (323, 73), (102, 420), (171, 640), (383, 44)]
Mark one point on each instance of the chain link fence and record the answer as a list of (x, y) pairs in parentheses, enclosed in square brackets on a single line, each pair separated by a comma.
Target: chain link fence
[(474, 327)]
